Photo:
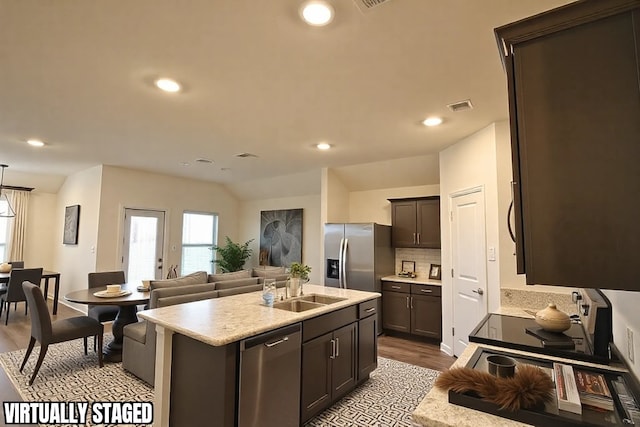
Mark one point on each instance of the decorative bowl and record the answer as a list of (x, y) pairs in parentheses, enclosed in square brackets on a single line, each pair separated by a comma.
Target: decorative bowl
[(553, 320)]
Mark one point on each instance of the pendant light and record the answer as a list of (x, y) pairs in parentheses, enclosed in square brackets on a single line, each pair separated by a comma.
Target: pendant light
[(6, 211)]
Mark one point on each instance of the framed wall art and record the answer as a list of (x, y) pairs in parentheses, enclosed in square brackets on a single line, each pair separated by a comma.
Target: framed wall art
[(435, 271), (280, 237), (71, 224)]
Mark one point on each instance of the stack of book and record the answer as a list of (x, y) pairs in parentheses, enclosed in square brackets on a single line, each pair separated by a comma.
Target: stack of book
[(593, 390), (575, 388), (566, 388)]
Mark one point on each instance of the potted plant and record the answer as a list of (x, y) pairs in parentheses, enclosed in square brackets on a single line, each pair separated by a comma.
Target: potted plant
[(232, 255), (299, 274)]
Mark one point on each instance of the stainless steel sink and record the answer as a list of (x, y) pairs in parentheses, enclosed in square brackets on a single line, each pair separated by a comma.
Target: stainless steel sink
[(321, 299), (297, 305), (306, 302)]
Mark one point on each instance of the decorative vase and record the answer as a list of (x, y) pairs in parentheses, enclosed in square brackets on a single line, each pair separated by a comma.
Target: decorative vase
[(5, 267), (294, 286), (553, 320)]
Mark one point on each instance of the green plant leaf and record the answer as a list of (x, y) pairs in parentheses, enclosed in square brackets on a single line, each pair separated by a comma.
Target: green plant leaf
[(233, 255)]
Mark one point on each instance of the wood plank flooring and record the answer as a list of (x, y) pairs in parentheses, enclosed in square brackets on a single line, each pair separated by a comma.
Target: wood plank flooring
[(415, 352), (16, 335)]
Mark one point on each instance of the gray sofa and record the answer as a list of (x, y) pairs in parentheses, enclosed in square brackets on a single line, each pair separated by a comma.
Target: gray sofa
[(139, 345)]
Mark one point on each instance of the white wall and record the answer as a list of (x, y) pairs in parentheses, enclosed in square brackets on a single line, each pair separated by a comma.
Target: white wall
[(334, 198), (40, 236), (75, 262), (625, 315), (128, 188), (373, 206), (467, 164), (312, 239)]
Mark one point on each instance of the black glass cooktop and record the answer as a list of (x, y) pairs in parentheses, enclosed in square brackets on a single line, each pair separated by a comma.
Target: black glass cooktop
[(524, 334)]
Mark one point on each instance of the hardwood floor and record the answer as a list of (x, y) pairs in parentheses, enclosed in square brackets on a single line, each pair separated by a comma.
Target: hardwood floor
[(15, 336), (415, 352)]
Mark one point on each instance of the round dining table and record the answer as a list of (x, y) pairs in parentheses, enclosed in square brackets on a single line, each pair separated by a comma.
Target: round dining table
[(126, 313)]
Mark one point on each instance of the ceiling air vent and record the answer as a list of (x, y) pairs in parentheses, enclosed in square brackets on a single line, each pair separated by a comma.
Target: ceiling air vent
[(245, 155), (460, 106), (367, 5)]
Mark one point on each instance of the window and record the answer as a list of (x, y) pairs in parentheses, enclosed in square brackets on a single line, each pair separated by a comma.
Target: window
[(199, 235), (4, 234)]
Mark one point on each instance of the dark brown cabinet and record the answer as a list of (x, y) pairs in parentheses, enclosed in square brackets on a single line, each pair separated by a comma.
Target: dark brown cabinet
[(339, 350), (412, 308), (415, 222), (367, 339), (574, 101), (396, 309), (328, 369)]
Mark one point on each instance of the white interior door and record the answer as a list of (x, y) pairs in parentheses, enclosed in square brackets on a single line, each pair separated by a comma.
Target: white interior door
[(469, 265), (143, 241)]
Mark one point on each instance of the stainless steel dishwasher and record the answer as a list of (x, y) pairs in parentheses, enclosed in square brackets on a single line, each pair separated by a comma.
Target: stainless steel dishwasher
[(269, 394)]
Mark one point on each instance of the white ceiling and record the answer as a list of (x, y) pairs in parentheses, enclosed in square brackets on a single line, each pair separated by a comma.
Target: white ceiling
[(78, 73)]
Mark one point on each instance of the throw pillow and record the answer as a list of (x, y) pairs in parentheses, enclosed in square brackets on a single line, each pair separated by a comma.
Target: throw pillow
[(269, 272), (190, 279)]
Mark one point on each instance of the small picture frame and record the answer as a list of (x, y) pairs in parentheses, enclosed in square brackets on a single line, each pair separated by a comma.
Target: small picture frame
[(435, 272), (71, 223), (408, 266)]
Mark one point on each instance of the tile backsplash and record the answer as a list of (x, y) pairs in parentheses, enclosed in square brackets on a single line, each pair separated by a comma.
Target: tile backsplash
[(422, 257)]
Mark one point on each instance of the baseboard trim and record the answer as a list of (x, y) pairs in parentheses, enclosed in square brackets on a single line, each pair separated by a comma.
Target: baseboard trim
[(446, 349)]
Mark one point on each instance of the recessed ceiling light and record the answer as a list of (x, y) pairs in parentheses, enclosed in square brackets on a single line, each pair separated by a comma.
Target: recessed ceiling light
[(168, 85), (184, 164), (316, 12), (323, 146), (35, 143), (432, 121)]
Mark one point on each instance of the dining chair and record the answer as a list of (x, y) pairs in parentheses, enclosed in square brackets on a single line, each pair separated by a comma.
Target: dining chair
[(104, 313), (14, 292), (47, 332), (16, 264)]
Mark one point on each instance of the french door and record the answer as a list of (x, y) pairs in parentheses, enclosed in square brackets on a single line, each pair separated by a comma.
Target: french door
[(143, 242)]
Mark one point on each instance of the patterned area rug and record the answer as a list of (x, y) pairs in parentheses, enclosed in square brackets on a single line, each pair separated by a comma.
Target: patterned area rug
[(387, 399)]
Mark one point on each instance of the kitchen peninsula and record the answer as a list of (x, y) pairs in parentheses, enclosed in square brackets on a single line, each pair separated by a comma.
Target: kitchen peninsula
[(201, 347)]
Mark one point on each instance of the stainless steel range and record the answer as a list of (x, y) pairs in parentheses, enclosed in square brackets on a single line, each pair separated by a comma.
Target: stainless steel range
[(588, 338)]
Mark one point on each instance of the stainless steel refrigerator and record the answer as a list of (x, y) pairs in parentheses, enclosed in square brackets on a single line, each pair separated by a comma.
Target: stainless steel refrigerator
[(357, 256)]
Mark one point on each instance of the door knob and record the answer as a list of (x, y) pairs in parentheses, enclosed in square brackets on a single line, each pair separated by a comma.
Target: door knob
[(478, 291)]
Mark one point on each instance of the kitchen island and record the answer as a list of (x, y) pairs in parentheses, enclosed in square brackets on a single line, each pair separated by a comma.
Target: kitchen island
[(198, 346)]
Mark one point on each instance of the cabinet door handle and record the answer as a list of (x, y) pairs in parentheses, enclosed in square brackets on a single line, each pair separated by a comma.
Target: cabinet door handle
[(418, 238), (407, 302), (426, 291), (414, 238), (395, 287), (333, 349), (412, 303), (337, 347), (370, 310)]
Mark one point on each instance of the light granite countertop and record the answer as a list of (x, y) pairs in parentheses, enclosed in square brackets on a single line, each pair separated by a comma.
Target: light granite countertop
[(436, 411), (417, 280), (220, 321)]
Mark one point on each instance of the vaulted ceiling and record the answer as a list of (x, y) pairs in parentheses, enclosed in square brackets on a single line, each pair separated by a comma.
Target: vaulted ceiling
[(79, 75)]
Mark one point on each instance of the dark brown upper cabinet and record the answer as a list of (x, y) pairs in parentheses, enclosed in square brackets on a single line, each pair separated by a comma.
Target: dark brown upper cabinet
[(415, 222), (574, 107)]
